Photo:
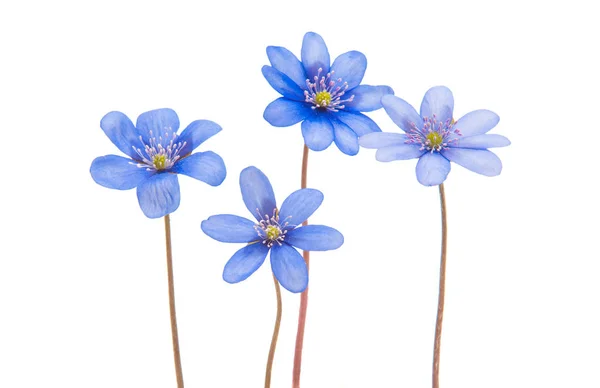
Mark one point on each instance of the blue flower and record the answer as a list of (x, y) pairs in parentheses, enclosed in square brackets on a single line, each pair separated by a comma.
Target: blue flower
[(156, 155), (327, 99), (436, 139), (275, 230)]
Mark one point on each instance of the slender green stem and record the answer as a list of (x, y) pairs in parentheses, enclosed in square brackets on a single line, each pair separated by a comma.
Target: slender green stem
[(303, 296), (177, 357), (442, 293), (275, 335)]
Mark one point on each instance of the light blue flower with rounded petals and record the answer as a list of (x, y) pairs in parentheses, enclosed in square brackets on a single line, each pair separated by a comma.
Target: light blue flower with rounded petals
[(327, 98), (156, 154), (436, 139), (276, 230)]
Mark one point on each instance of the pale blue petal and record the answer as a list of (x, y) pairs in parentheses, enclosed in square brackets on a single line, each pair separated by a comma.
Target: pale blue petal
[(197, 133), (289, 268), (399, 152), (314, 55), (358, 122), (432, 169), (284, 112), (317, 132), (350, 67), (300, 205), (367, 98), (483, 162), (159, 195), (205, 166), (245, 262), (283, 60), (315, 238), (117, 172), (438, 101), (229, 229), (283, 84), (121, 132), (482, 141), (382, 139), (160, 122), (477, 122), (401, 112), (257, 192)]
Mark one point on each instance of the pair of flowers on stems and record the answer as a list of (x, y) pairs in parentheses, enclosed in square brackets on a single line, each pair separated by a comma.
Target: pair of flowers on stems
[(328, 99)]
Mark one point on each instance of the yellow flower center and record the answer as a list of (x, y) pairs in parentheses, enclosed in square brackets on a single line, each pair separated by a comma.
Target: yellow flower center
[(435, 139), (159, 161), (323, 99), (272, 232)]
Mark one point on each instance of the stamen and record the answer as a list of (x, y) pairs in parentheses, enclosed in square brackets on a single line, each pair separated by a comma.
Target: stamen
[(434, 136), (160, 153), (269, 229), (323, 92)]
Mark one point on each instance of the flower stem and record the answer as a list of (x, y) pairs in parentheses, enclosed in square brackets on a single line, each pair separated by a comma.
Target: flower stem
[(442, 292), (303, 296), (275, 335), (177, 357)]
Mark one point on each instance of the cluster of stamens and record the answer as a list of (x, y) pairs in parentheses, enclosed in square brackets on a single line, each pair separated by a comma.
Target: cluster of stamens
[(269, 229), (434, 136), (326, 92), (161, 153)]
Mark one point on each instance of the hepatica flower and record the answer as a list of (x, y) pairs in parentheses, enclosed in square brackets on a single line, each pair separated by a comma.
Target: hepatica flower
[(436, 139), (156, 154), (276, 230), (326, 98)]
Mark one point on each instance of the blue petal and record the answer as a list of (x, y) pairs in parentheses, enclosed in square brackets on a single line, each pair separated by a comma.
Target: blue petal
[(257, 192), (300, 205), (399, 152), (117, 172), (282, 84), (482, 141), (283, 112), (345, 139), (318, 132), (350, 67), (358, 122), (245, 262), (314, 55), (158, 122), (483, 162), (159, 195), (438, 101), (477, 122), (432, 169), (289, 268), (401, 112), (121, 132), (229, 228), (197, 133), (367, 98), (283, 60), (315, 238), (205, 166), (382, 139)]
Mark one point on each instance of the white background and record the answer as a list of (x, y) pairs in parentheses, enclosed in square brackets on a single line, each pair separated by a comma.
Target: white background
[(83, 293)]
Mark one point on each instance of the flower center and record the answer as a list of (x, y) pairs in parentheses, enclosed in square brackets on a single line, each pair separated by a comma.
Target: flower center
[(326, 92), (434, 136), (161, 153), (269, 229)]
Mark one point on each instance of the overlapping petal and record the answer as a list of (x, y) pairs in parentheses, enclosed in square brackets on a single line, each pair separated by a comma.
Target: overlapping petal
[(317, 132), (289, 268), (300, 205), (401, 112), (345, 139), (358, 122), (438, 101), (229, 228), (432, 169), (315, 238), (157, 123), (283, 84), (399, 152), (283, 60), (117, 172), (482, 141), (197, 133), (350, 67), (159, 195), (121, 132), (483, 162), (284, 112), (382, 139), (367, 98), (245, 262), (314, 54), (477, 122), (205, 166), (257, 192)]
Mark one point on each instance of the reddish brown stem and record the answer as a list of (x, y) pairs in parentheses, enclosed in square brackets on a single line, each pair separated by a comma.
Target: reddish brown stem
[(275, 335), (174, 335), (442, 293), (303, 296)]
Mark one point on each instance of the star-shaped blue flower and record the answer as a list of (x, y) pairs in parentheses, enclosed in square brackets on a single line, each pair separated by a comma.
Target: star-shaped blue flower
[(275, 230), (327, 99), (436, 139), (156, 155)]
